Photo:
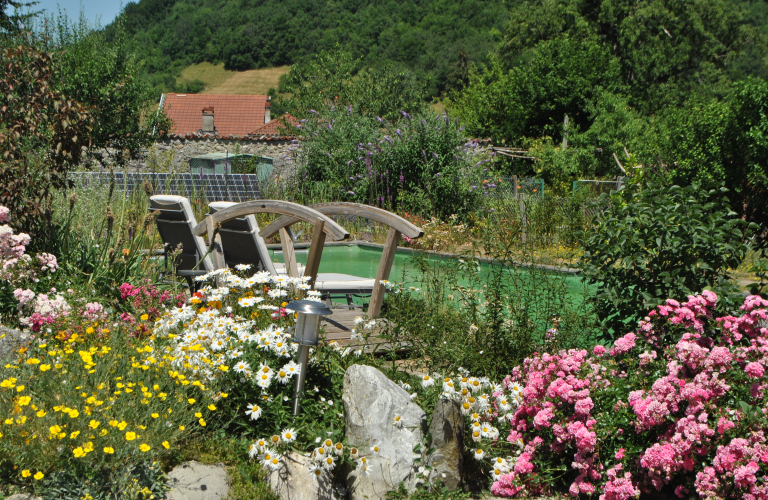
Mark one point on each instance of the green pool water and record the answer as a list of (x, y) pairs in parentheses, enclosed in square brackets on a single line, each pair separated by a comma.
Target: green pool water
[(364, 261)]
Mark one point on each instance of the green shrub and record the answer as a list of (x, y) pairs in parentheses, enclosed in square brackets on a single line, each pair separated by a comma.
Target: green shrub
[(651, 243), (421, 164)]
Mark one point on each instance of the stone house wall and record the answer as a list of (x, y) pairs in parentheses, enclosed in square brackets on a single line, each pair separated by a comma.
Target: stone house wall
[(173, 154)]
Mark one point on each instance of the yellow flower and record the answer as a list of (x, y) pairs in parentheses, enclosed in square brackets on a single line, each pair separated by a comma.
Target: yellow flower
[(24, 400), (19, 388), (155, 415), (109, 450), (74, 435), (41, 413), (113, 423), (166, 445), (199, 415), (202, 422), (89, 330), (130, 436), (33, 361), (144, 317), (39, 476), (94, 424), (181, 427), (191, 401), (78, 452), (212, 407), (223, 368), (25, 473), (74, 414), (122, 425), (144, 447), (45, 368)]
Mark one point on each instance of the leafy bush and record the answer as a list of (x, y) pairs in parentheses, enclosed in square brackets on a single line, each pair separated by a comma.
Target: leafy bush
[(42, 133), (649, 243), (420, 164), (483, 317)]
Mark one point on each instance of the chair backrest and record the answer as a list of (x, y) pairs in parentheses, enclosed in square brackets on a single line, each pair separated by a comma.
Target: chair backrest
[(241, 242), (397, 227), (175, 221)]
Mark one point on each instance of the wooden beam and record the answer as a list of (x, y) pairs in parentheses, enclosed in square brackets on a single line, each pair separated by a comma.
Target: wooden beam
[(289, 254), (300, 212), (315, 253), (382, 274), (353, 209)]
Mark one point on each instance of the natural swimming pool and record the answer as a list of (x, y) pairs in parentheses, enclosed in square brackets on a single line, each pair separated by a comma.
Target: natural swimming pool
[(360, 260)]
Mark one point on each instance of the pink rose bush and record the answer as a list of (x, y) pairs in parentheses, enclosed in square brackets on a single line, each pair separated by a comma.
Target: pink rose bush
[(678, 407), (15, 264)]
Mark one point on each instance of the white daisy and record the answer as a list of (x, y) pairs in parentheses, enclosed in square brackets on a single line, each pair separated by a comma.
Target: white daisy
[(427, 381), (241, 367), (288, 435), (479, 454), (253, 411)]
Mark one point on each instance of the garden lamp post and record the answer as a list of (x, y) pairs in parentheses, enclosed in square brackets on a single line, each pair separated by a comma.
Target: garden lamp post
[(305, 334)]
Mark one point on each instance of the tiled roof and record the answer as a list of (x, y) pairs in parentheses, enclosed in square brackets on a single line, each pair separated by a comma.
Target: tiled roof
[(233, 115), (274, 127)]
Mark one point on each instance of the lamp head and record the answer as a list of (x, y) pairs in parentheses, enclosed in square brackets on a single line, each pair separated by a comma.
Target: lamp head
[(308, 323)]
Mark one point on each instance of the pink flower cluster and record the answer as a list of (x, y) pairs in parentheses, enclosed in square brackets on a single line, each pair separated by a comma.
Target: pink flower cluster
[(672, 387)]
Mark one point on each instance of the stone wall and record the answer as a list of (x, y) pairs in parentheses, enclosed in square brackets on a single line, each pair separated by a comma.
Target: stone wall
[(183, 149)]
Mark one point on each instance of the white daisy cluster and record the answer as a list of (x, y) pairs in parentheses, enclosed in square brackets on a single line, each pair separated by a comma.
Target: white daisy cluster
[(361, 326), (326, 456), (266, 450), (208, 338)]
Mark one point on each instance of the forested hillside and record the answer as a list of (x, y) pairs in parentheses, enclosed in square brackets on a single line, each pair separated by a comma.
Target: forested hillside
[(425, 36)]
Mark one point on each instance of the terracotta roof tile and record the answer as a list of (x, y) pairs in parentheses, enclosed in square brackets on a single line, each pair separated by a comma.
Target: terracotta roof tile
[(233, 115), (274, 126)]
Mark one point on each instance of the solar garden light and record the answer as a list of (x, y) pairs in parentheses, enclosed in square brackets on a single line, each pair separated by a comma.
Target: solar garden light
[(305, 334)]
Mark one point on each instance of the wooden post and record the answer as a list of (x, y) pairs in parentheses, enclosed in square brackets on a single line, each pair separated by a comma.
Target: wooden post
[(514, 179), (385, 267), (523, 220), (289, 255), (315, 252)]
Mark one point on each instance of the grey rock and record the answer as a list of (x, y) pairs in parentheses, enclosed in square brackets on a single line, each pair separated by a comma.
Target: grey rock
[(23, 496), (196, 481), (12, 340), (447, 430), (292, 481), (371, 402)]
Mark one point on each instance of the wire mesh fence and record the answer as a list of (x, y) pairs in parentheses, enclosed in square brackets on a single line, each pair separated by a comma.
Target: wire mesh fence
[(214, 187), (513, 186)]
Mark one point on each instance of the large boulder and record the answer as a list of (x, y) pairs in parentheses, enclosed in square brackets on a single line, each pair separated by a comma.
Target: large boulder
[(23, 496), (371, 403), (447, 430), (292, 481), (195, 481)]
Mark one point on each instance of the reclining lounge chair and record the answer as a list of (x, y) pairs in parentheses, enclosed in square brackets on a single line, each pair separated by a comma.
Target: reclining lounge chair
[(175, 221)]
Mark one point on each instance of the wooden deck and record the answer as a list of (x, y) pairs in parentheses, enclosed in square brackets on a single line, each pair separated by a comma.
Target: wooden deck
[(339, 325)]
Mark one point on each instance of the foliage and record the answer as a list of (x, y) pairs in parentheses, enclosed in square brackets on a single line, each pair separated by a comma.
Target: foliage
[(481, 316), (652, 242), (353, 154), (12, 24), (134, 482), (334, 78), (560, 78), (425, 38), (105, 76), (42, 133), (721, 141)]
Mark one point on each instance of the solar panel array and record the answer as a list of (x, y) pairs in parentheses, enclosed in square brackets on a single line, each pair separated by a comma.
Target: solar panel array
[(216, 187)]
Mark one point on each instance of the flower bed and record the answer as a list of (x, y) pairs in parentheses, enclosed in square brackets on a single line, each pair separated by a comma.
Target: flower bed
[(678, 407)]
